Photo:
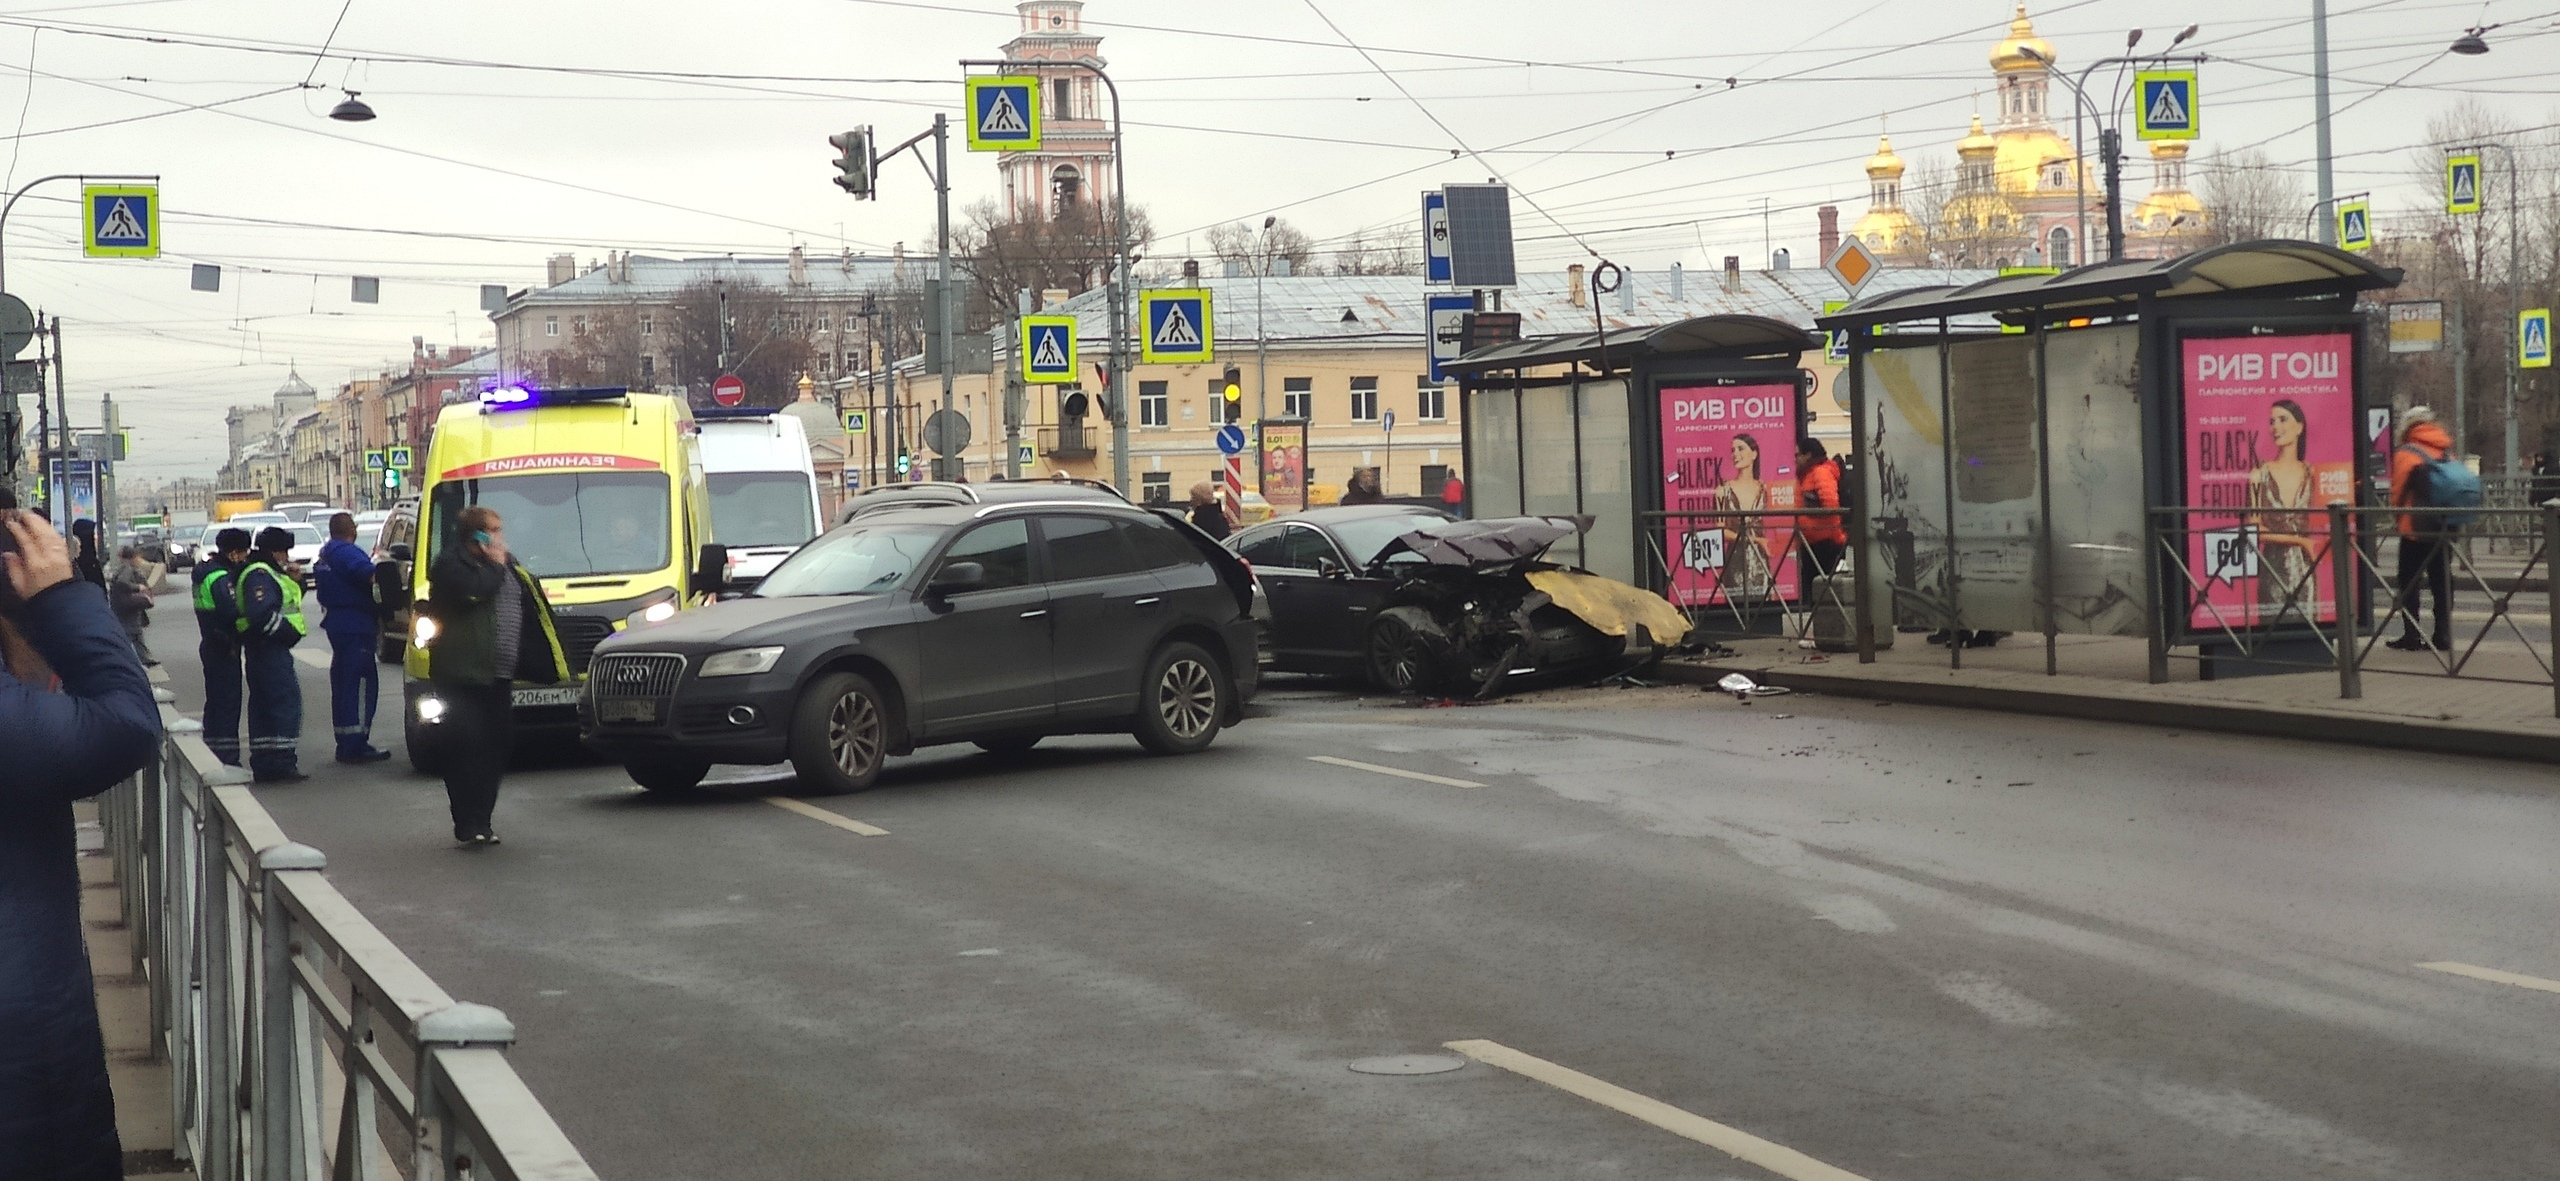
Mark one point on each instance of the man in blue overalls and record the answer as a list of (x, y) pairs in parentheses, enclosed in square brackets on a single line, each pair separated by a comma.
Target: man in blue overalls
[(217, 586), (343, 578), (270, 625)]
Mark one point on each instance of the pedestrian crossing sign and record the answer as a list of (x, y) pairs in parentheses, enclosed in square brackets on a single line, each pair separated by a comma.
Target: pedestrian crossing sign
[(1049, 349), (400, 458), (857, 422), (1835, 346), (123, 221), (2168, 108), (1178, 327), (2533, 338), (1004, 114), (373, 459), (2462, 184), (2355, 225)]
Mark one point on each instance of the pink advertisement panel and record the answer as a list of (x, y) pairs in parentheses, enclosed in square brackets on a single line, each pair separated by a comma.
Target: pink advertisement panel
[(1727, 448), (2270, 436)]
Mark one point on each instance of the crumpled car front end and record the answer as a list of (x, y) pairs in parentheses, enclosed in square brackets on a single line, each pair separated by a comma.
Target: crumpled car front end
[(1477, 612)]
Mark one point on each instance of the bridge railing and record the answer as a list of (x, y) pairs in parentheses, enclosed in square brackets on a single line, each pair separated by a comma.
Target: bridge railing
[(302, 1043)]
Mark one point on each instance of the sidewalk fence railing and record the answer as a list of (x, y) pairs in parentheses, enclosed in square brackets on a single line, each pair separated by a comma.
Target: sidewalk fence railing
[(1772, 591), (302, 1043)]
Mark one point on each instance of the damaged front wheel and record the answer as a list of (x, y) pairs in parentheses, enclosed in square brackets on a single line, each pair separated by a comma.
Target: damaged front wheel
[(1403, 655)]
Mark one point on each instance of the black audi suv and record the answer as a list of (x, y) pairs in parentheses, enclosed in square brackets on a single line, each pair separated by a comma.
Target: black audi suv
[(997, 624)]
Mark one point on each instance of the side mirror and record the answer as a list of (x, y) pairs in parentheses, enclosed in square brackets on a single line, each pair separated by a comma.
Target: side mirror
[(957, 578), (711, 569), (400, 552), (1327, 568)]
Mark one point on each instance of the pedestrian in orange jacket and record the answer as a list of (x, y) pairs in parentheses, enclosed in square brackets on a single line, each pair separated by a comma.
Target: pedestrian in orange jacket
[(2423, 556), (1820, 541)]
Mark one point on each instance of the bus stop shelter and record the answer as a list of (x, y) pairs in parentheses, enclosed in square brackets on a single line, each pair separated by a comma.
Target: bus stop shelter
[(2131, 448)]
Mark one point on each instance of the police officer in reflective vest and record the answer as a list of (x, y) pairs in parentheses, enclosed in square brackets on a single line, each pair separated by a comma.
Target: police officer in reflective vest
[(217, 584), (271, 624)]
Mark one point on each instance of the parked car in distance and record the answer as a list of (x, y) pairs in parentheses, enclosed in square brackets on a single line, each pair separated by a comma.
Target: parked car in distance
[(1415, 601), (888, 497), (997, 624)]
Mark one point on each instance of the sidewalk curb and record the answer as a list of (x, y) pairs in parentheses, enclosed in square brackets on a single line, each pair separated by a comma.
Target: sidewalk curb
[(2359, 729)]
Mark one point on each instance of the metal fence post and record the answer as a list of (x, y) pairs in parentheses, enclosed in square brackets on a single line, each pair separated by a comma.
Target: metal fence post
[(2158, 639), (222, 1090), (2342, 569), (442, 1153), (2551, 590), (281, 1062)]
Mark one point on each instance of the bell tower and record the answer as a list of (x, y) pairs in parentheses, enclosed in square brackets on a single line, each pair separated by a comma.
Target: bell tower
[(1071, 171)]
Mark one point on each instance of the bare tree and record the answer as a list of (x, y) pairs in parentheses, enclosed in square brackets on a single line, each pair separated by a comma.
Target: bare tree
[(1072, 251), (2247, 198), (1390, 254), (604, 350), (769, 340), (1255, 250)]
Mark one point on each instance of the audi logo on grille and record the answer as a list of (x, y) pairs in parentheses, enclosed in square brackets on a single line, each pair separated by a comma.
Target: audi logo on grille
[(631, 674)]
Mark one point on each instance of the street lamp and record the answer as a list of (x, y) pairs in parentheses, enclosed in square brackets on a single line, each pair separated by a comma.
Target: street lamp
[(1261, 335), (2470, 43), (2109, 138), (353, 110)]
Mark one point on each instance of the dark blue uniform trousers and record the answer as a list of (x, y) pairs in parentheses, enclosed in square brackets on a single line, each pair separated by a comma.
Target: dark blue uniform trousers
[(355, 689), (275, 709), (221, 697)]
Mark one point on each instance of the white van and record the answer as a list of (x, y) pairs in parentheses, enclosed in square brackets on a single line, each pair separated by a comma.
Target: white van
[(764, 493)]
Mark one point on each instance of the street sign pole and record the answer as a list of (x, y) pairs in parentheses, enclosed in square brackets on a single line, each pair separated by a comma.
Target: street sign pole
[(22, 191), (942, 272)]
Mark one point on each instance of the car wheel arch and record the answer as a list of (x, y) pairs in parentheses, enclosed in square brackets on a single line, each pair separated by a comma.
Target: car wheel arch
[(892, 692), (1216, 646)]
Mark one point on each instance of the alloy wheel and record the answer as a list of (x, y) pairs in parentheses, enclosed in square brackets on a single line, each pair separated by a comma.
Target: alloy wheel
[(1187, 698), (853, 734)]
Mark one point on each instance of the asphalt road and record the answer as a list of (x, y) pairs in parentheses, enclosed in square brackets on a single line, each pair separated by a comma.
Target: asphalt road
[(1908, 943)]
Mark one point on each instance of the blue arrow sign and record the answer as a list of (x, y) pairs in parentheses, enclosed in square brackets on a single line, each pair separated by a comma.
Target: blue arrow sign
[(1230, 439)]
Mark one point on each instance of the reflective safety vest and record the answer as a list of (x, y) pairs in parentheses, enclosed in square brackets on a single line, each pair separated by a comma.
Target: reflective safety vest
[(291, 589), (204, 590)]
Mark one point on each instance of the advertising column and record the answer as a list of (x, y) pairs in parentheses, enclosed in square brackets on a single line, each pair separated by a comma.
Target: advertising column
[(2270, 433), (1729, 449)]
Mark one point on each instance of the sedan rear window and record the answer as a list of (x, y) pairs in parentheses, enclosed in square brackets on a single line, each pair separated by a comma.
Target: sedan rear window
[(865, 561)]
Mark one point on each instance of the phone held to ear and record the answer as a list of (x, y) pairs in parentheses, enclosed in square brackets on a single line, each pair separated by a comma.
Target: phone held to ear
[(481, 537)]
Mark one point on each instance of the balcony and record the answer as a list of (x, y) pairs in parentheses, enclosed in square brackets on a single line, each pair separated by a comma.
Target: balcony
[(1068, 441)]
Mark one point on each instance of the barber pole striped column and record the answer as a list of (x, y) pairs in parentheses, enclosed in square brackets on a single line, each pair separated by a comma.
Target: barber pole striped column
[(1235, 479)]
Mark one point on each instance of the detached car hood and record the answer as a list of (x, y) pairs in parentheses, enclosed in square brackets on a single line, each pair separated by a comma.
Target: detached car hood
[(1488, 546), (733, 619)]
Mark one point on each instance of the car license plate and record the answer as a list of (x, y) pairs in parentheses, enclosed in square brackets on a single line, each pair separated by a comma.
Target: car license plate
[(627, 709), (556, 695)]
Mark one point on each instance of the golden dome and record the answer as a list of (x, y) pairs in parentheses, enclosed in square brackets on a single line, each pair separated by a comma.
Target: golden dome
[(2033, 159), (2012, 54), (2168, 212), (1889, 232), (1977, 142), (2168, 149), (1884, 165)]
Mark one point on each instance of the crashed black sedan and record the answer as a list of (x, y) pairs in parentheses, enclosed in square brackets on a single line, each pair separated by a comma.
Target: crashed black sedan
[(1417, 603)]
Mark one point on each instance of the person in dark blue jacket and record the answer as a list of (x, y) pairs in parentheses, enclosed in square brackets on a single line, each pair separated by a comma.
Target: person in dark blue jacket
[(344, 578), (217, 599), (57, 1116), (271, 624)]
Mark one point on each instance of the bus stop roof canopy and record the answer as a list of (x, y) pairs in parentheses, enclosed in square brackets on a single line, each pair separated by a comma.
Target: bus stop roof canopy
[(1708, 336), (2271, 269)]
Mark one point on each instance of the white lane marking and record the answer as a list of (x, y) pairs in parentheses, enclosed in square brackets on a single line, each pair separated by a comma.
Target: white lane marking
[(312, 657), (1849, 912), (1986, 995), (984, 951), (1442, 780), (822, 816), (2493, 975), (1743, 1146)]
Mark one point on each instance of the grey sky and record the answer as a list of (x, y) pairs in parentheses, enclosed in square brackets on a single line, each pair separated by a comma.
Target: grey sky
[(1235, 109)]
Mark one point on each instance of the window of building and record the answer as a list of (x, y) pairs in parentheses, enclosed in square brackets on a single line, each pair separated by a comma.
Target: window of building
[(1364, 399), (1430, 402), (1062, 96), (1066, 183), (649, 371), (551, 325), (578, 326), (1155, 487), (1298, 397), (1152, 404), (2058, 250), (648, 324), (826, 320)]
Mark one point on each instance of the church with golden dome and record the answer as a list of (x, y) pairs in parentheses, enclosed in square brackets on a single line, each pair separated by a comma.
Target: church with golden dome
[(2013, 197)]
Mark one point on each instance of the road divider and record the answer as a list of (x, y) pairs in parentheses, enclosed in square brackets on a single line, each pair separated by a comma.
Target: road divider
[(2493, 975), (1398, 772), (822, 816), (1742, 1146)]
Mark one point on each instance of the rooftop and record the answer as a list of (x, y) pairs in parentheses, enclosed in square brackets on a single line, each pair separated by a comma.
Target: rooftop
[(644, 278)]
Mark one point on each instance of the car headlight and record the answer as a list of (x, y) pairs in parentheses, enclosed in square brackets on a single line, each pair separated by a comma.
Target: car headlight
[(740, 662), (422, 632), (659, 607), (430, 710)]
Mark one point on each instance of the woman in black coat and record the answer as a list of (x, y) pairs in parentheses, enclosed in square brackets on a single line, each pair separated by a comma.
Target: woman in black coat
[(57, 1118)]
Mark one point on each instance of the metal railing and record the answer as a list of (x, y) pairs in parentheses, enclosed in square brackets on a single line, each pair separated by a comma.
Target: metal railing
[(302, 1044), (2311, 585), (1772, 592)]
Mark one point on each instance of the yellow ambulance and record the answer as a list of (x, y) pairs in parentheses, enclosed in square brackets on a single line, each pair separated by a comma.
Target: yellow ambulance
[(604, 499)]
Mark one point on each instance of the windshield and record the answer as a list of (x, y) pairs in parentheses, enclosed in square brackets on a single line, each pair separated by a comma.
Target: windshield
[(864, 561), (303, 534), (367, 536), (1363, 538), (762, 508), (567, 524)]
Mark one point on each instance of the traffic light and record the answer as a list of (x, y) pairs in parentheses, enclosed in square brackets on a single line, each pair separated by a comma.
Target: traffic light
[(391, 479), (1233, 388), (856, 164), (906, 463)]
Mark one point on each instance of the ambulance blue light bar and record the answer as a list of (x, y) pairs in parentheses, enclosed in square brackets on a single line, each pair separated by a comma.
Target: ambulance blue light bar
[(524, 397)]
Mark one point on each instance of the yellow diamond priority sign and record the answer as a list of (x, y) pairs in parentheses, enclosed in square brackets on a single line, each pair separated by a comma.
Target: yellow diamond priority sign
[(1853, 264)]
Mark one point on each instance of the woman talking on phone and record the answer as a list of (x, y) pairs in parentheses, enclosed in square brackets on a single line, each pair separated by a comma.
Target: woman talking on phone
[(492, 629)]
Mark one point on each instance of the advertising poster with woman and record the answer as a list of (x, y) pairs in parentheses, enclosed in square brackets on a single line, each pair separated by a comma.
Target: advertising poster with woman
[(2271, 443), (1729, 449), (1284, 464)]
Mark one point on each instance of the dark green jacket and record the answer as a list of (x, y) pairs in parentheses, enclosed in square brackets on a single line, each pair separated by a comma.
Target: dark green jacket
[(462, 597)]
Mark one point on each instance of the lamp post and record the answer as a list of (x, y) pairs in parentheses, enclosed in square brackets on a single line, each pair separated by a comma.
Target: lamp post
[(153, 178), (2328, 193), (2110, 139), (1261, 334), (1117, 290)]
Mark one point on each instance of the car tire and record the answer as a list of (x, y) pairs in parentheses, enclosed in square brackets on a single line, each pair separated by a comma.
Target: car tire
[(1009, 746), (1182, 701), (1401, 655), (668, 774), (424, 758), (839, 734)]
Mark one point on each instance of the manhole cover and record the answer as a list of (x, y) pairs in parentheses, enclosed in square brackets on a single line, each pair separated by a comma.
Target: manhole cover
[(1409, 1064)]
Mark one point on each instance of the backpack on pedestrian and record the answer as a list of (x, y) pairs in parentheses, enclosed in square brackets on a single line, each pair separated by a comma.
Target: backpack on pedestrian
[(2445, 482)]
